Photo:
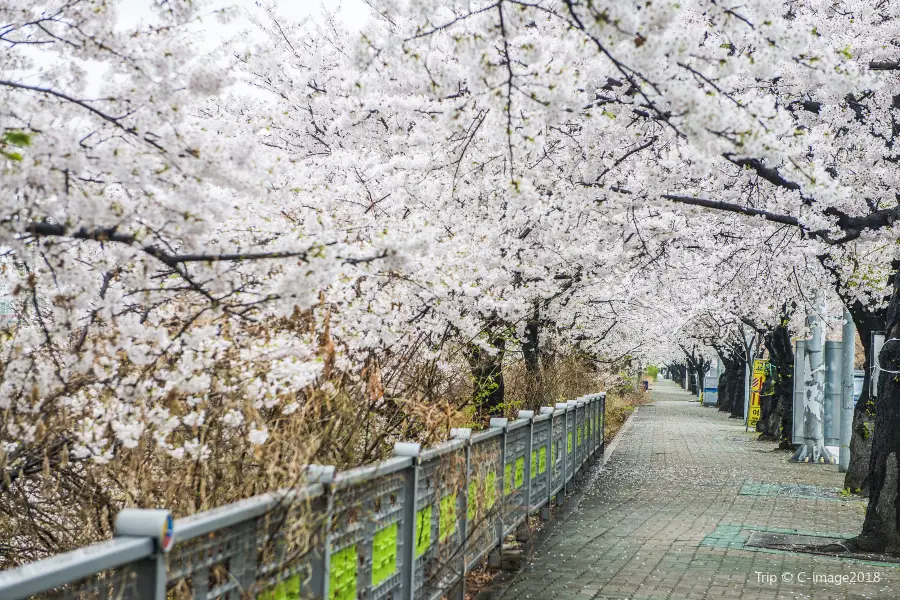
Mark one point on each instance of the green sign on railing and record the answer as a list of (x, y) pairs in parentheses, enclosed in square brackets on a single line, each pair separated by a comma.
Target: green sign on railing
[(490, 491), (447, 518), (289, 589), (384, 554), (342, 574), (423, 531)]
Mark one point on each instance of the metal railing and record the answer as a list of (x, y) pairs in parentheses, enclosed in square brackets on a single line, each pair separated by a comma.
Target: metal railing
[(406, 528)]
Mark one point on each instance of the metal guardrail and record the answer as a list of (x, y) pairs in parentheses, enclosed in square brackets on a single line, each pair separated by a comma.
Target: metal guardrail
[(407, 528)]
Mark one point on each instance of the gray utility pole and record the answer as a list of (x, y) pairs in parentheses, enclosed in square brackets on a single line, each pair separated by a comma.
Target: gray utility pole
[(848, 352), (813, 449)]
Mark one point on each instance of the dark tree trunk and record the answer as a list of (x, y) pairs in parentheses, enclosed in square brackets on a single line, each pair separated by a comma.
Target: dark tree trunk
[(857, 478), (881, 529), (731, 381), (487, 377), (702, 369), (737, 384), (534, 387), (776, 422), (697, 366), (677, 372)]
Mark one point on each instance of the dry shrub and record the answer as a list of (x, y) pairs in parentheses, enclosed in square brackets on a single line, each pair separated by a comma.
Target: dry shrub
[(620, 404), (563, 378), (56, 503)]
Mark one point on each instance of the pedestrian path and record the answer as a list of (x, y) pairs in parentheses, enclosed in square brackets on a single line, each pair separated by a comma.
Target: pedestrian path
[(670, 515)]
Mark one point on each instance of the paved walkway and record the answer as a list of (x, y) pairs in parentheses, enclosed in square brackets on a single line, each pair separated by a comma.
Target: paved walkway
[(668, 517)]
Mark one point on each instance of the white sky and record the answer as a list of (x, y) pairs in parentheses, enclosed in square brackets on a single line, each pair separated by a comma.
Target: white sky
[(352, 13)]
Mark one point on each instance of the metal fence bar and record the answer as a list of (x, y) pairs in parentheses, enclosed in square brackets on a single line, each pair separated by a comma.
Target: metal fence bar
[(548, 458), (78, 564), (484, 488), (500, 489), (602, 423), (459, 591), (528, 415), (571, 462), (409, 527), (562, 456), (408, 523)]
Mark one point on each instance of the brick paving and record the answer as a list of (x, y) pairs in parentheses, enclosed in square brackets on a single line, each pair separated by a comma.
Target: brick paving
[(665, 519)]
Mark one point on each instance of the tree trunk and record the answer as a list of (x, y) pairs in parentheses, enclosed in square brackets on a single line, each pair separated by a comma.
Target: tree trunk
[(677, 372), (731, 381), (881, 529), (857, 477), (534, 388), (487, 377), (738, 382), (777, 419)]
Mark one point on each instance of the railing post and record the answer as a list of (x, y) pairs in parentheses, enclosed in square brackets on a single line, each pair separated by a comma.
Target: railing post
[(602, 423), (571, 407), (158, 525), (494, 555), (522, 533), (548, 471), (458, 591), (588, 430), (408, 522), (561, 495), (320, 565), (579, 432)]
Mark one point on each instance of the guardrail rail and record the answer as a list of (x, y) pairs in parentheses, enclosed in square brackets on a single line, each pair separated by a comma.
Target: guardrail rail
[(408, 528)]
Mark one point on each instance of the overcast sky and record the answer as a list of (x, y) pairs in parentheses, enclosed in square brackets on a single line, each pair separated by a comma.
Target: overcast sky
[(353, 13)]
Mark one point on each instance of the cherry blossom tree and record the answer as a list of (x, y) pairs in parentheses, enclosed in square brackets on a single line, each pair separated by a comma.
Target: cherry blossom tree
[(210, 245)]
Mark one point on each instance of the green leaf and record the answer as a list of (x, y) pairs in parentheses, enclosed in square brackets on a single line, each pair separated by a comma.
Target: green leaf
[(17, 138)]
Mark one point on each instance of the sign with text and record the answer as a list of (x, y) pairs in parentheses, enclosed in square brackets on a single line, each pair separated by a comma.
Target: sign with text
[(756, 384)]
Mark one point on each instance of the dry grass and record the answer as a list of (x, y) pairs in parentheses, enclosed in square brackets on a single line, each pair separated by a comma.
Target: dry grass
[(619, 405), (343, 420)]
